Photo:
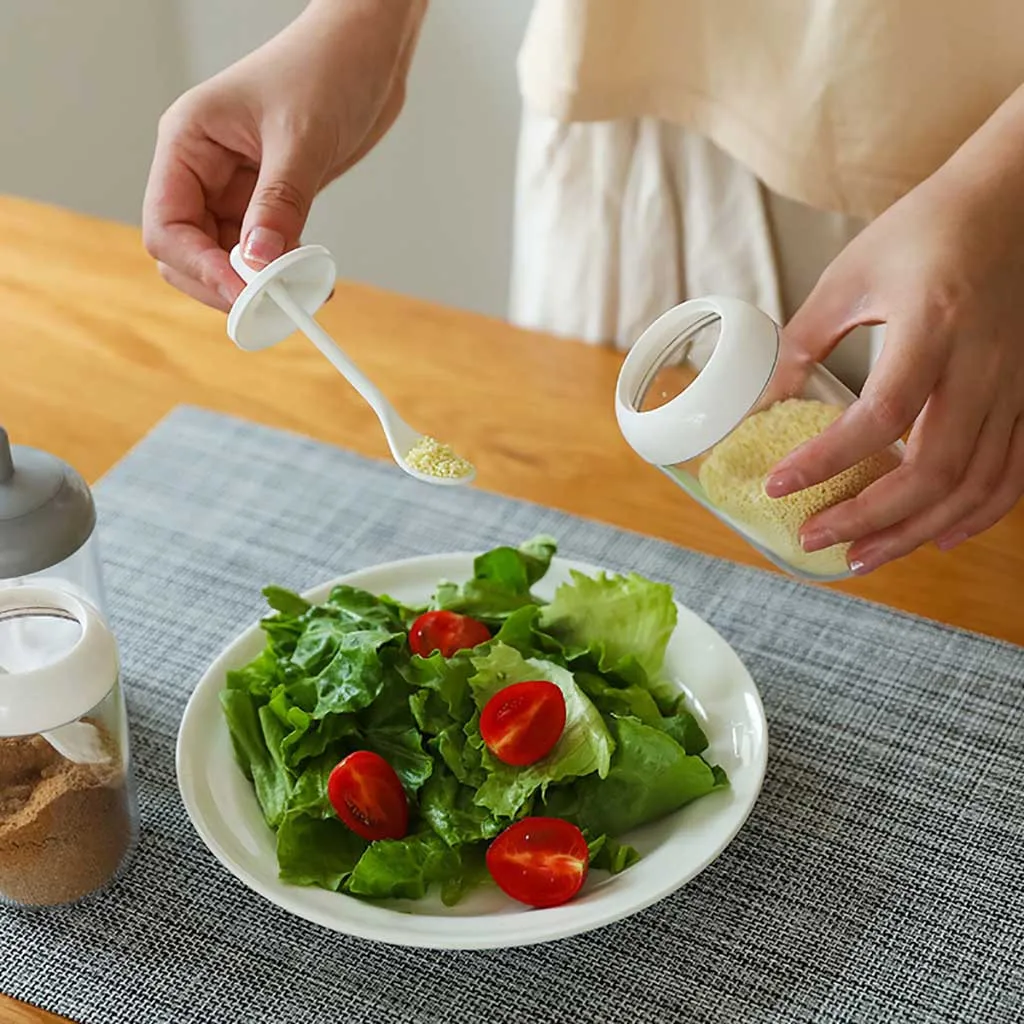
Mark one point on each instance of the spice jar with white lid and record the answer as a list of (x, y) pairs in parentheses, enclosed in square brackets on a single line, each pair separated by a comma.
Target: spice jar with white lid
[(47, 524), (706, 395), (68, 812)]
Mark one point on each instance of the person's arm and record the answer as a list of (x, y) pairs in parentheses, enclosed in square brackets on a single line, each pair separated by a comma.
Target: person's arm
[(242, 156), (943, 268)]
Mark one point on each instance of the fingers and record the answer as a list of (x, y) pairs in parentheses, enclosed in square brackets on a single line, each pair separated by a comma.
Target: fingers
[(289, 178), (983, 477), (893, 396), (998, 501), (946, 440), (193, 288), (176, 227)]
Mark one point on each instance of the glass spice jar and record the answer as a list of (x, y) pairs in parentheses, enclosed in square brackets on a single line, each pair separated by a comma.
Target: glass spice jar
[(68, 812), (707, 395)]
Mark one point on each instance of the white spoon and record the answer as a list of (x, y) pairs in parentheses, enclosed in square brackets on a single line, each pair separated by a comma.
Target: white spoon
[(283, 296)]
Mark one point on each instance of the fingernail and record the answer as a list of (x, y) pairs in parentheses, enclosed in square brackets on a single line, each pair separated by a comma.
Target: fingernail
[(778, 485), (263, 246), (950, 541), (817, 539), (227, 294), (867, 559)]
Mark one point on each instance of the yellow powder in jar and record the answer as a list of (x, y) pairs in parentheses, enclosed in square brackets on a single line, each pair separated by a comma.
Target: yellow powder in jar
[(432, 458), (734, 472)]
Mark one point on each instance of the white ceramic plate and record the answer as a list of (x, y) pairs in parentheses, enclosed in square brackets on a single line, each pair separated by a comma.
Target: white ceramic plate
[(223, 807)]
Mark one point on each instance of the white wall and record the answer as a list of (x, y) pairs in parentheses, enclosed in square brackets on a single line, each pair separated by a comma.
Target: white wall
[(428, 213), (81, 88)]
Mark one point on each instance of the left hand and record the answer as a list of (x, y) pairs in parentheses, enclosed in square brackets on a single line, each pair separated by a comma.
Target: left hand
[(944, 270)]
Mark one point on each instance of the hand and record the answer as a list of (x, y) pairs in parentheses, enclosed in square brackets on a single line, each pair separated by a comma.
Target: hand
[(243, 155), (944, 270)]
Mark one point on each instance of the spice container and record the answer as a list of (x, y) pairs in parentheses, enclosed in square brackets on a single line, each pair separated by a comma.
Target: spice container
[(707, 396), (47, 524), (68, 814)]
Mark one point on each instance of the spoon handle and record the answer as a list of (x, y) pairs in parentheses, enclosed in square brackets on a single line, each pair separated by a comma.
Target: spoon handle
[(326, 344)]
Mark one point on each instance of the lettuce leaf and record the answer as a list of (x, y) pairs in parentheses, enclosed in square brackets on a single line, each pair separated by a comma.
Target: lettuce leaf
[(615, 619), (684, 728), (449, 808), (286, 601), (402, 748), (584, 747), (637, 702), (309, 792), (260, 677), (461, 749), (354, 676), (446, 679), (501, 583), (407, 868), (317, 851), (330, 732), (517, 568), (650, 776), (607, 854), (619, 700), (242, 712)]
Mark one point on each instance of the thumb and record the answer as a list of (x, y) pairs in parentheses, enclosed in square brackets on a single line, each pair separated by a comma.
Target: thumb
[(289, 179)]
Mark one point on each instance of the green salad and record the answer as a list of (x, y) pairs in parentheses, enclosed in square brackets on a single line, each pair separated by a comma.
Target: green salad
[(487, 735)]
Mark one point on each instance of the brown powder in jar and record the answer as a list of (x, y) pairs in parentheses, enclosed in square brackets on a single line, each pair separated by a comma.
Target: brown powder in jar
[(64, 827)]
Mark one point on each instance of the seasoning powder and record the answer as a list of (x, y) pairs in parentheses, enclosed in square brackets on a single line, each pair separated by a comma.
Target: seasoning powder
[(65, 828), (734, 473), (432, 458)]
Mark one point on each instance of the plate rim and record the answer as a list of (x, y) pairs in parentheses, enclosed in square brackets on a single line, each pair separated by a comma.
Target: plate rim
[(276, 892)]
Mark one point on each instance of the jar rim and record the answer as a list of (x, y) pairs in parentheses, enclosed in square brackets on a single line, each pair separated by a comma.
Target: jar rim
[(65, 689), (719, 397)]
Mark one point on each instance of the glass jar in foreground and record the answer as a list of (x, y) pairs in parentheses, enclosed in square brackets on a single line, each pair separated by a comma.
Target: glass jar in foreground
[(68, 817), (706, 396)]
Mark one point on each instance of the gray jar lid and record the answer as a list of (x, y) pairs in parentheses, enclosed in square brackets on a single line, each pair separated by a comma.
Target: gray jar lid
[(46, 510)]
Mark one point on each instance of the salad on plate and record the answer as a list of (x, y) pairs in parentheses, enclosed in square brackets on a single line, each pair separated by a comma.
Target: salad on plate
[(489, 736)]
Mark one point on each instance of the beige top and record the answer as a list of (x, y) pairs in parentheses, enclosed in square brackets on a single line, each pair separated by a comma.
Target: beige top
[(842, 104)]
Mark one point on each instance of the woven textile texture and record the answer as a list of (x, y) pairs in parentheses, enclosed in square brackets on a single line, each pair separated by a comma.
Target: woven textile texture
[(880, 877)]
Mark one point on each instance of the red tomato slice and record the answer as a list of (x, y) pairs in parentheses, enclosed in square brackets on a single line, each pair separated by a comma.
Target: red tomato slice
[(522, 722), (446, 632), (539, 861), (368, 796)]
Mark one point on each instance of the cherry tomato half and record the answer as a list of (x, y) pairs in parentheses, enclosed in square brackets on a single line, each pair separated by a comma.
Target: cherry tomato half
[(368, 796), (446, 632), (539, 861), (522, 722)]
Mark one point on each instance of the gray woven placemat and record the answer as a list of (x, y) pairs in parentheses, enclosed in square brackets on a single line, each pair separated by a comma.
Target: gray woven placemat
[(880, 877)]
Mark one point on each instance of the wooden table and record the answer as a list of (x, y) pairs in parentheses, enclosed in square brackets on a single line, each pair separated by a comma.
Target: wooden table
[(95, 349)]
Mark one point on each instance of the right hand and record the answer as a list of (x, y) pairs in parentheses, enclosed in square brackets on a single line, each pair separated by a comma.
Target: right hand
[(242, 156)]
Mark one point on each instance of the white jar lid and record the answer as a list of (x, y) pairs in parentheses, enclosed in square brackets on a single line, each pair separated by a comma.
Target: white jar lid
[(62, 688), (256, 321), (718, 398)]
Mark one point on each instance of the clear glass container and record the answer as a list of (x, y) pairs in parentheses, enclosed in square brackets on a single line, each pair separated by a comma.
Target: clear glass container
[(708, 396), (81, 574), (68, 809)]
